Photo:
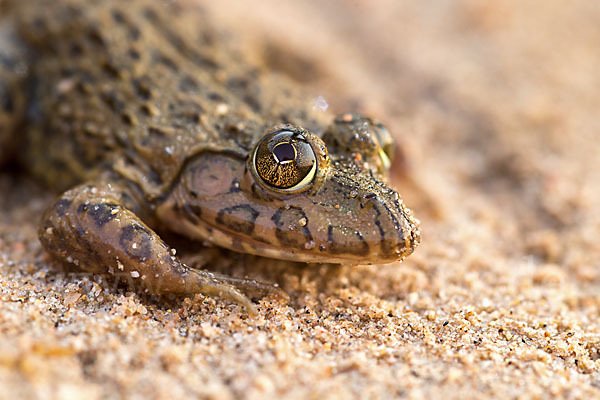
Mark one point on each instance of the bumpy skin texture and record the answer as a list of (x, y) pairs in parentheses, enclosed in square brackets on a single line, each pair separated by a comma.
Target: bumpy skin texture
[(147, 105)]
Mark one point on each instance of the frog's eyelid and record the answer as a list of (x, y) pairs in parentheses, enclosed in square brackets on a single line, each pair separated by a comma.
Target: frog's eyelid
[(299, 137)]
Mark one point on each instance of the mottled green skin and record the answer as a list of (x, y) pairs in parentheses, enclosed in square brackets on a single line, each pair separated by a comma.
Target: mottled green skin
[(148, 118)]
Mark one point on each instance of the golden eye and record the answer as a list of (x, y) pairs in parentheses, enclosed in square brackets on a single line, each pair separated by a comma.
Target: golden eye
[(285, 160)]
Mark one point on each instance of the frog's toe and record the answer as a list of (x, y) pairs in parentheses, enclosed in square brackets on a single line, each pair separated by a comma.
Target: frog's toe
[(256, 289), (210, 284)]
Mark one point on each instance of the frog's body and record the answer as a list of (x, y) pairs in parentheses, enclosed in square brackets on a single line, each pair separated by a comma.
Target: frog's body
[(148, 120)]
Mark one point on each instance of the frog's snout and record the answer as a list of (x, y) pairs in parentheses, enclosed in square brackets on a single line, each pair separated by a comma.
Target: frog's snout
[(368, 228)]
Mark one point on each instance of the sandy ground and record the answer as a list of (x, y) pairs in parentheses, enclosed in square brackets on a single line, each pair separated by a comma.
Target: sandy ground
[(494, 105)]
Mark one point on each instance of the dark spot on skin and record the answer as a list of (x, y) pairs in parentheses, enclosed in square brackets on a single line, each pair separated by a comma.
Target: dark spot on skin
[(113, 101), (253, 102), (215, 97), (189, 112), (289, 231), (175, 40), (397, 226), (72, 241), (95, 37), (62, 206), (103, 213), (188, 84), (76, 49), (160, 58), (134, 54), (153, 175), (70, 12), (388, 247), (150, 15), (143, 87), (192, 212), (204, 62), (128, 119), (258, 193), (242, 87), (239, 218), (237, 83), (336, 237), (85, 83), (410, 242), (111, 69), (133, 32), (181, 46), (118, 16), (153, 131), (232, 129), (145, 108), (136, 241)]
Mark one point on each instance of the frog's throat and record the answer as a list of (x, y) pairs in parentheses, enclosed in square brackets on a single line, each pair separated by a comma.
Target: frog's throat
[(203, 231)]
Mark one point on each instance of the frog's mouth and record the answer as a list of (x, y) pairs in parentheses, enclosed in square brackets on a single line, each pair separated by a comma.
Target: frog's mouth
[(201, 230), (246, 245)]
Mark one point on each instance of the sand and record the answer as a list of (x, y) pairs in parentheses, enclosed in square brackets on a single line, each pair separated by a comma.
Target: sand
[(494, 105)]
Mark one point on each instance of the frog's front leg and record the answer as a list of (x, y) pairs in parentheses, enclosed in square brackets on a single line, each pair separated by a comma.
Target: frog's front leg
[(95, 228)]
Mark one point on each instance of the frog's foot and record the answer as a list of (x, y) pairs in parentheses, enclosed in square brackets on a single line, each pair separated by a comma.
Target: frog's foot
[(250, 287), (209, 284), (255, 289), (94, 227)]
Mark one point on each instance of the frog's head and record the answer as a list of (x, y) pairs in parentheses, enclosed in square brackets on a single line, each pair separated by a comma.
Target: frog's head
[(291, 200)]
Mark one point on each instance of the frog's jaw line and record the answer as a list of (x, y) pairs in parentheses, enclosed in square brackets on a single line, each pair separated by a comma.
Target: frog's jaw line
[(202, 231)]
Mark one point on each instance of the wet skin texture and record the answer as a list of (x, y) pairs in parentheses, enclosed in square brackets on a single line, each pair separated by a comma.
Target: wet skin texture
[(147, 118)]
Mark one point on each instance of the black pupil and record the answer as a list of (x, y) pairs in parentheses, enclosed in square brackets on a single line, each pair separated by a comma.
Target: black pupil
[(284, 152)]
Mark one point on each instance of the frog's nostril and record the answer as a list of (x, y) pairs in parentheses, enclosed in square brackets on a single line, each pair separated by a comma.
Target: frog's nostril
[(366, 199)]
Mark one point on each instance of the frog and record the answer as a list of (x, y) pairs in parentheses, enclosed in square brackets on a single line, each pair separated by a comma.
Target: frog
[(145, 119)]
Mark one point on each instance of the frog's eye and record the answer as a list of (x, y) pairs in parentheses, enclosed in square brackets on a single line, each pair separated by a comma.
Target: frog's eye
[(284, 160)]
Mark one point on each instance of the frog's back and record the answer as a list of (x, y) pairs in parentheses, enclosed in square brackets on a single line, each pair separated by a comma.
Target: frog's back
[(134, 89)]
